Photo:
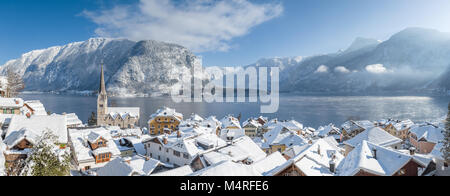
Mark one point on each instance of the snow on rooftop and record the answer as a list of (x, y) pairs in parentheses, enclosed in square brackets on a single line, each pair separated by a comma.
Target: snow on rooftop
[(386, 163), (227, 168), (72, 119), (181, 171), (136, 165), (230, 121), (55, 123), (324, 131), (11, 102), (79, 140), (167, 112), (270, 162), (374, 135), (37, 107), (15, 137), (429, 133), (242, 149)]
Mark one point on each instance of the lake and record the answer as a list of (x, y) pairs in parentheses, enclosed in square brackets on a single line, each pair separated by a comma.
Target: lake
[(310, 110)]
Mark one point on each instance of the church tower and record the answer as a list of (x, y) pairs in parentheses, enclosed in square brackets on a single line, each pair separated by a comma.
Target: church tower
[(102, 101)]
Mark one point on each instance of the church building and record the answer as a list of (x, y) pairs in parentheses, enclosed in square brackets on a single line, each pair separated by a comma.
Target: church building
[(123, 117)]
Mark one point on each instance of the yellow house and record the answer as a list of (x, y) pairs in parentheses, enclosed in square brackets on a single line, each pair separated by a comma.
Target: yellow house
[(165, 120), (280, 138)]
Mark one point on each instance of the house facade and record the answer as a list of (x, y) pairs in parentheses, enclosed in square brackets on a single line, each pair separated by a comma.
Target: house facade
[(165, 120)]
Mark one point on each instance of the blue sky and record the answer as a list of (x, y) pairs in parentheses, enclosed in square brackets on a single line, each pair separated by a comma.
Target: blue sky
[(258, 29)]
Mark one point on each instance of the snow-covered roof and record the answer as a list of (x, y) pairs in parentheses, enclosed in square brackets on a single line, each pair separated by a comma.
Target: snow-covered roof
[(11, 102), (280, 135), (227, 168), (325, 131), (293, 125), (196, 117), (270, 162), (37, 107), (386, 163), (243, 149), (55, 123), (166, 112), (374, 135), (136, 165), (402, 125), (351, 126), (79, 139), (231, 133), (230, 121), (428, 133), (181, 171), (314, 160), (15, 137), (6, 118), (251, 123), (123, 112), (192, 142), (72, 119)]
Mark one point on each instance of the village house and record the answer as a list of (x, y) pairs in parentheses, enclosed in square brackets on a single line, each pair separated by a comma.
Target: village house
[(330, 131), (318, 159), (227, 168), (398, 128), (72, 120), (213, 123), (34, 107), (252, 127), (123, 117), (131, 166), (56, 124), (369, 159), (376, 136), (280, 138), (242, 150), (425, 137), (230, 122), (180, 171), (352, 128), (92, 147), (11, 105), (269, 163), (19, 143), (180, 148), (164, 121)]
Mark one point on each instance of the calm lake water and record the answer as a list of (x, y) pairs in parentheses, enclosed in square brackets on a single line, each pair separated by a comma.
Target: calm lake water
[(312, 111)]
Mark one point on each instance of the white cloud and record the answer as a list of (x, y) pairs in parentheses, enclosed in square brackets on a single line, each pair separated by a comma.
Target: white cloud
[(341, 69), (200, 25), (376, 68), (322, 69)]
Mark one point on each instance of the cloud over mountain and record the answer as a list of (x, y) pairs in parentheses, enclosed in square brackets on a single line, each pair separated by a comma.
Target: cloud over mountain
[(207, 25)]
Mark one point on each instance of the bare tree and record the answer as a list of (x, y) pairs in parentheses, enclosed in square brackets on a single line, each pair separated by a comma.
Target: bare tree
[(15, 83)]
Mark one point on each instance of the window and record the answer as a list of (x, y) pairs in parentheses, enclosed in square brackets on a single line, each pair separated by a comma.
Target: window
[(160, 148), (168, 160), (4, 111), (185, 155), (176, 153)]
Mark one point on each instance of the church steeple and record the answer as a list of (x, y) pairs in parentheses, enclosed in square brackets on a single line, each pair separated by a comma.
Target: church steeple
[(102, 89), (102, 100)]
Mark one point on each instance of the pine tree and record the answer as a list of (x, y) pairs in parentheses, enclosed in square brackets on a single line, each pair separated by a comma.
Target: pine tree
[(15, 83), (43, 159), (92, 121), (446, 147)]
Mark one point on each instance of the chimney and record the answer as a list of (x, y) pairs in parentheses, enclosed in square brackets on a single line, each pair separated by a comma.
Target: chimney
[(374, 153), (17, 101), (28, 115), (332, 166), (412, 151), (165, 140), (178, 134), (318, 149)]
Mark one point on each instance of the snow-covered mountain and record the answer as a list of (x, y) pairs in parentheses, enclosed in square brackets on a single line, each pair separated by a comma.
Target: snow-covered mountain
[(413, 59), (410, 60), (136, 68)]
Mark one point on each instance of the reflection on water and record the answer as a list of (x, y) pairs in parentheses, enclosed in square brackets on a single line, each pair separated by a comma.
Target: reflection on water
[(310, 110)]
